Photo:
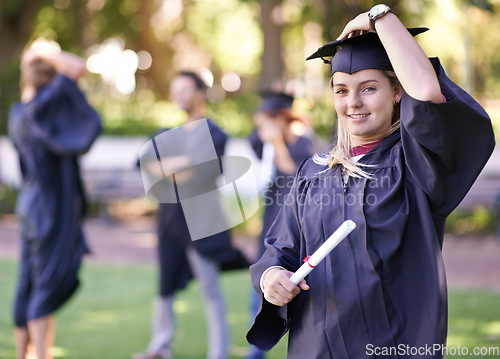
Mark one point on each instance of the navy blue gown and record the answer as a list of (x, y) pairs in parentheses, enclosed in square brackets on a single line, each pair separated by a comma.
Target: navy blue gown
[(173, 233), (384, 286), (49, 133), (274, 195)]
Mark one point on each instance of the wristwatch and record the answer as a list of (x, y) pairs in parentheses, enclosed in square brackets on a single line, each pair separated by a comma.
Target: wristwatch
[(377, 12)]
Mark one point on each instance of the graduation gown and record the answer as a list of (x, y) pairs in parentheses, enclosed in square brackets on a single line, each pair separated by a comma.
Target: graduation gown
[(173, 233), (274, 195), (49, 132), (382, 292)]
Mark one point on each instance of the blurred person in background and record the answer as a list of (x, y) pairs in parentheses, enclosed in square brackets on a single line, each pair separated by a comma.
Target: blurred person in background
[(180, 257), (281, 141), (50, 127)]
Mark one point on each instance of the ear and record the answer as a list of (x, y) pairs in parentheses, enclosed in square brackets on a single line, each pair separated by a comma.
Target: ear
[(398, 93)]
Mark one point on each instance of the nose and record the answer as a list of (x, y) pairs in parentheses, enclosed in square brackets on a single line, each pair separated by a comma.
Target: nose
[(354, 100)]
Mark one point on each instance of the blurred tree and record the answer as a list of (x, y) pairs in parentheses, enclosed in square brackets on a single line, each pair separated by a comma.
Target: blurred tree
[(272, 27), (261, 41), (16, 24), (153, 38)]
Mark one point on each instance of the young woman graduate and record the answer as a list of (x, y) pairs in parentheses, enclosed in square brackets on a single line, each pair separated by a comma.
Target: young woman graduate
[(410, 144), (50, 127)]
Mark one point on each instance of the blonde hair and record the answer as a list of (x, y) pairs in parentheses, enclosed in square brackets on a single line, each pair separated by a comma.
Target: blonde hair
[(341, 152)]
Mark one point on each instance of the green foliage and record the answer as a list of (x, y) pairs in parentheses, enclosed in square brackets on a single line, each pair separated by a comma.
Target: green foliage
[(479, 219), (226, 36), (8, 198), (64, 23), (9, 94), (481, 4), (141, 115), (234, 114), (230, 32)]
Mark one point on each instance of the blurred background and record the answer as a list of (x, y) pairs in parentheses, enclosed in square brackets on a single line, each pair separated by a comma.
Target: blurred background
[(134, 48)]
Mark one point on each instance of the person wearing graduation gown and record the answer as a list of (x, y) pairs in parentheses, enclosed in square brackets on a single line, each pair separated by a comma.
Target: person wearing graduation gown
[(50, 127), (180, 257), (281, 142), (420, 142)]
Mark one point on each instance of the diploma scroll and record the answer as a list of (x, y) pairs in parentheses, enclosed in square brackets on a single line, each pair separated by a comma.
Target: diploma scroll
[(312, 261)]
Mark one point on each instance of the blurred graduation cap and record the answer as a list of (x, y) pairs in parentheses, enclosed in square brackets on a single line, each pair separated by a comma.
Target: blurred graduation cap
[(272, 101), (358, 53)]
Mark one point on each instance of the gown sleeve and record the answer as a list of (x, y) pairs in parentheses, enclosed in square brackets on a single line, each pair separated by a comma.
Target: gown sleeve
[(283, 249), (445, 145), (256, 143), (61, 118)]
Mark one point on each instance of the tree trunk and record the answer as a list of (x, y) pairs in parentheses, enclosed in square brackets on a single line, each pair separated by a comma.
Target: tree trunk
[(16, 23), (272, 60), (157, 75)]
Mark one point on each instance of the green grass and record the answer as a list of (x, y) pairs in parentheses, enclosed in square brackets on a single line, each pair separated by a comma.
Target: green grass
[(110, 315), (474, 322)]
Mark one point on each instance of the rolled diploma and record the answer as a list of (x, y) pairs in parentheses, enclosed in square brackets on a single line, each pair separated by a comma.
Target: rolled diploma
[(311, 262)]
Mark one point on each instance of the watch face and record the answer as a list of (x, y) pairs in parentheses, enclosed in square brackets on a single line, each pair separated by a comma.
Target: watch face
[(378, 10)]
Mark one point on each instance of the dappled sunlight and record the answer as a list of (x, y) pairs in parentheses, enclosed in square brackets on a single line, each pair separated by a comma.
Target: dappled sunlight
[(231, 31), (459, 332), (492, 330), (117, 65), (231, 82), (473, 320), (59, 352), (182, 306)]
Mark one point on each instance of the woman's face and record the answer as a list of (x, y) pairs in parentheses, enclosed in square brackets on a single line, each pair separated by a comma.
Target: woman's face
[(364, 102)]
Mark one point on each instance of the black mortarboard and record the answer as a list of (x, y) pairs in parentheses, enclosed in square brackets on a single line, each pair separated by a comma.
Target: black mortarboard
[(358, 53), (272, 101)]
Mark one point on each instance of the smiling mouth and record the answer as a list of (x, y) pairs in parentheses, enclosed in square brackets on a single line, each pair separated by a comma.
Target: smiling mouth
[(358, 117)]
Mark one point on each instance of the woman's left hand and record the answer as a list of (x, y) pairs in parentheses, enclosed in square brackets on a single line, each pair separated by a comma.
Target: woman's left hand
[(357, 26)]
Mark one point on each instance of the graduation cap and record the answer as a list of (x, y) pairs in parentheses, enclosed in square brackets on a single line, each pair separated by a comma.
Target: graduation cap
[(358, 53), (272, 101)]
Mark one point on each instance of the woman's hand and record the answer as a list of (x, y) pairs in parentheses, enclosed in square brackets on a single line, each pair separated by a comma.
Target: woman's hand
[(357, 26), (63, 62), (40, 49), (278, 288), (409, 61)]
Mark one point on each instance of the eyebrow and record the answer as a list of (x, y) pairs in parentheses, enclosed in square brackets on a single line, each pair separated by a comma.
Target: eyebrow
[(361, 84)]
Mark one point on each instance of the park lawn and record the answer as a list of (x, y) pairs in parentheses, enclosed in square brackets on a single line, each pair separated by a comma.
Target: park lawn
[(110, 315)]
